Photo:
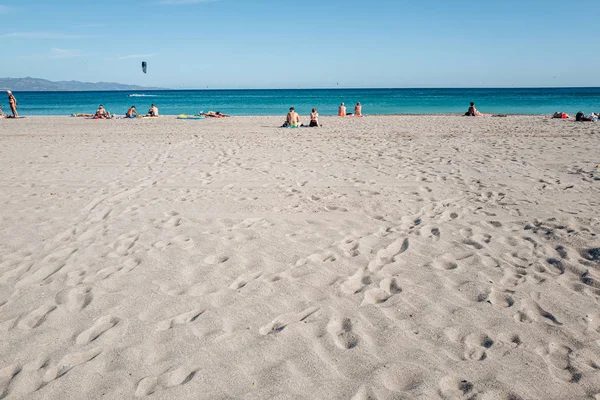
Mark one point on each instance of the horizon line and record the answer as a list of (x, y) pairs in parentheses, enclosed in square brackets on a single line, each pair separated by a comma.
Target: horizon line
[(311, 88)]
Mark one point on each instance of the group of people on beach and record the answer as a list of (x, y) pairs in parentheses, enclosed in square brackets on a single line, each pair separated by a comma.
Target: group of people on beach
[(12, 102), (292, 120), (103, 113)]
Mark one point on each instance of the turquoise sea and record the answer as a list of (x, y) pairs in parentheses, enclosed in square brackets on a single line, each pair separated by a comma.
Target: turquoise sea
[(277, 102)]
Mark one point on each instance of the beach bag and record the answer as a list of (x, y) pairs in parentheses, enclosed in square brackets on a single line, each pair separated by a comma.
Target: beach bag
[(579, 116)]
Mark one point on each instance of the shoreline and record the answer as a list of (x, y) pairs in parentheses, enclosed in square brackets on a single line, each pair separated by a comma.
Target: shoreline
[(322, 116)]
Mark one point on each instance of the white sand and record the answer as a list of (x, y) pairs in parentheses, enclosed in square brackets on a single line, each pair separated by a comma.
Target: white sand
[(382, 258)]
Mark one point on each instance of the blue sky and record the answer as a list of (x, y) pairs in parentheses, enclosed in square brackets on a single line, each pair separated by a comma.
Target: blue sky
[(306, 44)]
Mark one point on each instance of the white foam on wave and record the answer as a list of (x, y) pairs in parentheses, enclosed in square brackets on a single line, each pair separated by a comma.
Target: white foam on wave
[(141, 95)]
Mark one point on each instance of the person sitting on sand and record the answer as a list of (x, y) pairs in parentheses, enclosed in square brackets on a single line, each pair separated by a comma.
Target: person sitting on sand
[(292, 120), (314, 118), (12, 102), (472, 112), (342, 110), (2, 115), (358, 110), (131, 113), (101, 113), (153, 111)]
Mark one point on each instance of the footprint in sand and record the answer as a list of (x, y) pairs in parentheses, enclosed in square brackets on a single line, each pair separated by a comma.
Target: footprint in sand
[(102, 325), (389, 254), (530, 311), (7, 375), (180, 319), (36, 317), (558, 359), (281, 322), (452, 388), (244, 279), (387, 288), (69, 362), (341, 331), (400, 377), (75, 299), (476, 346), (168, 379), (356, 282), (501, 298), (215, 259)]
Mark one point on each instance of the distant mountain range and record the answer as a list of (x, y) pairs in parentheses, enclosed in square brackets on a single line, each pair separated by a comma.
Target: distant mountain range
[(39, 85)]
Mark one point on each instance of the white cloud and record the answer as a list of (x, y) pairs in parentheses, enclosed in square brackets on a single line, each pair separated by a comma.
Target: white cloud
[(63, 53), (54, 53), (136, 56), (181, 2), (38, 35)]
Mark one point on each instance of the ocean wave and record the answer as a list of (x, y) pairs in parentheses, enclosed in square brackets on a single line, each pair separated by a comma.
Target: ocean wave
[(141, 95)]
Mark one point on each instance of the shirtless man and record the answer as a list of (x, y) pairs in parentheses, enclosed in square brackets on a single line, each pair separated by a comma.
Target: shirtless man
[(12, 102), (101, 113), (153, 111), (293, 119), (342, 110), (131, 113), (358, 110)]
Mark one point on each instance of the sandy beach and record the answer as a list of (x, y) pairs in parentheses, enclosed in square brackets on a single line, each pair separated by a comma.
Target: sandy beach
[(389, 257)]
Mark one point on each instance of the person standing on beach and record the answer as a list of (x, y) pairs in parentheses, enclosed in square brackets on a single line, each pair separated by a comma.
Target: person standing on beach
[(358, 110), (12, 102), (342, 110)]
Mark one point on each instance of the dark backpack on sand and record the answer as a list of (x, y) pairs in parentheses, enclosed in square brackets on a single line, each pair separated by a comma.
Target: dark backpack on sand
[(579, 116)]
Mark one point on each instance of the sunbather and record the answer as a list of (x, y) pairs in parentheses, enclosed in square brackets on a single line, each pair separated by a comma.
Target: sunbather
[(292, 120), (101, 113), (153, 111), (358, 110), (314, 118), (214, 114), (131, 113)]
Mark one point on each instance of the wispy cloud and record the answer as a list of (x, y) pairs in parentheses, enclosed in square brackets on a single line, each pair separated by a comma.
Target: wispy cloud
[(129, 57), (63, 53), (55, 53), (39, 35), (181, 2), (4, 9)]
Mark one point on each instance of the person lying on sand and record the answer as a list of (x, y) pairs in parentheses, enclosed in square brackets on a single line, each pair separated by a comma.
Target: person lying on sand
[(101, 113), (153, 111), (292, 120), (214, 114), (131, 113), (358, 110), (314, 118)]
